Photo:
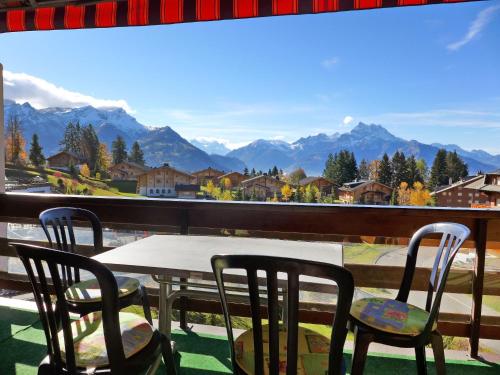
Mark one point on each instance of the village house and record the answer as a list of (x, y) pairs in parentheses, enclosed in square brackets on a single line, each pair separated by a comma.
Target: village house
[(262, 187), (63, 160), (365, 192), (489, 186), (464, 193), (126, 171), (166, 182), (208, 174), (324, 185), (236, 178)]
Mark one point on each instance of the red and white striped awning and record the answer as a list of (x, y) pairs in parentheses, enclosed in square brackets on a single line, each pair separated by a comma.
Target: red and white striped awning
[(26, 15)]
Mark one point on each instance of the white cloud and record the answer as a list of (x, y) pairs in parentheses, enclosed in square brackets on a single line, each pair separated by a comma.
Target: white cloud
[(329, 63), (482, 19), (348, 120), (40, 93)]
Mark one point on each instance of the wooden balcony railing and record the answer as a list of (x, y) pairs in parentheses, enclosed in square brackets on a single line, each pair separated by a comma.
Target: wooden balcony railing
[(374, 224)]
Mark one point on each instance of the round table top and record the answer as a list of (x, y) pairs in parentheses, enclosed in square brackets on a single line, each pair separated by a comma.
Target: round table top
[(312, 356)]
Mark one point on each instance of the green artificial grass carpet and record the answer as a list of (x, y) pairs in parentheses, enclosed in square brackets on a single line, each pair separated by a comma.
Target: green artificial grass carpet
[(23, 347)]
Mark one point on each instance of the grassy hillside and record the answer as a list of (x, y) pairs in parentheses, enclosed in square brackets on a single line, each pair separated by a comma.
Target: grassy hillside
[(64, 183)]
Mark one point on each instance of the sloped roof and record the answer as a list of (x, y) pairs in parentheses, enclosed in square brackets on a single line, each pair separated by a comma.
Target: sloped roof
[(167, 167), (308, 180), (209, 169), (230, 173), (256, 178), (354, 185), (64, 152), (469, 182), (139, 166)]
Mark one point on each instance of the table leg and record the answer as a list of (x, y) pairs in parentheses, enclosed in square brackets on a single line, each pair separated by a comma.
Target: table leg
[(164, 320)]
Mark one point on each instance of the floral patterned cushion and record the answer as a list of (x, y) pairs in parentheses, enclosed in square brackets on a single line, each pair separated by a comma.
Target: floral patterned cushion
[(89, 291), (390, 316), (313, 350), (88, 337)]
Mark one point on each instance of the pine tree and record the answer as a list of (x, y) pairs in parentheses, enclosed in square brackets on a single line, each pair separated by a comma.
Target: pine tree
[(72, 139), (90, 147), (456, 169), (364, 170), (36, 153), (119, 150), (385, 171), (413, 171), (275, 171), (399, 169), (439, 170), (329, 171), (136, 154), (341, 168), (245, 172), (253, 173)]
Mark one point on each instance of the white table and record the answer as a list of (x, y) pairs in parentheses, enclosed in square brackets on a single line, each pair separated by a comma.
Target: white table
[(168, 256)]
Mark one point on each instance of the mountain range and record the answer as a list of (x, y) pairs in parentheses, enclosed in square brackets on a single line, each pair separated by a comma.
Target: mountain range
[(163, 144)]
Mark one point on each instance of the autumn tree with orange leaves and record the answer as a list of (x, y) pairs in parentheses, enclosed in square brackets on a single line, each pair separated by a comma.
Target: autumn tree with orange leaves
[(15, 145)]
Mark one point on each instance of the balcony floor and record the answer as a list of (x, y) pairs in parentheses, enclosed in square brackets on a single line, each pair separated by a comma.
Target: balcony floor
[(22, 344)]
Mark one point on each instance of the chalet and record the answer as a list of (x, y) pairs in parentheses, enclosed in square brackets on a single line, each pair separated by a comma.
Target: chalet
[(63, 160), (324, 185), (262, 187), (164, 182), (488, 186), (208, 174), (236, 178), (464, 193), (126, 171), (365, 192)]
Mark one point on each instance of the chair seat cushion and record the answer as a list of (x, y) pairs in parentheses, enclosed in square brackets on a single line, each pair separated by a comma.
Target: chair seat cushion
[(390, 316), (89, 291), (88, 338), (312, 358)]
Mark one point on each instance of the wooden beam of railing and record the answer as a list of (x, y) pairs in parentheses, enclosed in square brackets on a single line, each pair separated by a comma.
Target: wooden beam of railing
[(343, 220)]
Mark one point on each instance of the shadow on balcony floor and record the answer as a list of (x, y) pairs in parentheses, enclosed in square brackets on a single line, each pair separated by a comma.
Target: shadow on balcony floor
[(22, 346)]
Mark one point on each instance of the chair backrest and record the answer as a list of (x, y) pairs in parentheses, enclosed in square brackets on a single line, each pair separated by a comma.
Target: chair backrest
[(59, 221), (41, 264), (293, 268), (453, 235)]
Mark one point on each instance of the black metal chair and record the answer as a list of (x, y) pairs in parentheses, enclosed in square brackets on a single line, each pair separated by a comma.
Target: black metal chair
[(104, 342), (398, 323), (85, 296), (325, 350)]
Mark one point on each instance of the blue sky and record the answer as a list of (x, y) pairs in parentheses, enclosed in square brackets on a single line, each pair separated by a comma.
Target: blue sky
[(429, 73)]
